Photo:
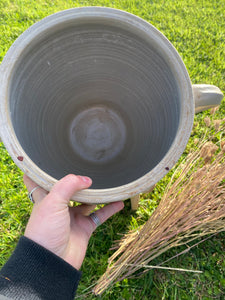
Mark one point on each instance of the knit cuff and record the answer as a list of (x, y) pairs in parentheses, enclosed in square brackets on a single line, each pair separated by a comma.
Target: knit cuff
[(33, 272)]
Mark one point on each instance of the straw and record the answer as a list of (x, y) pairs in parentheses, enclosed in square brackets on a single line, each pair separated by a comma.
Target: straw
[(193, 206)]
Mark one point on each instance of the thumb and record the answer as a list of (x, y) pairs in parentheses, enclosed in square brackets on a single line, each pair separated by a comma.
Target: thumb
[(66, 187)]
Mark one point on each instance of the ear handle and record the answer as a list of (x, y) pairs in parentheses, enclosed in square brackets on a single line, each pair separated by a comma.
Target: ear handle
[(206, 96)]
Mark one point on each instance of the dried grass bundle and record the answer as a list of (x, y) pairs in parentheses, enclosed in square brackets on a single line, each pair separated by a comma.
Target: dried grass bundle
[(192, 206)]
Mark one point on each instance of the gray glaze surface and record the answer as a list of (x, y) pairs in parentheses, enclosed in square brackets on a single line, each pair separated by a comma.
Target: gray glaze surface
[(94, 99)]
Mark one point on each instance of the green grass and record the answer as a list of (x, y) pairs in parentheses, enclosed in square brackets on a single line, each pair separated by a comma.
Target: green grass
[(197, 30)]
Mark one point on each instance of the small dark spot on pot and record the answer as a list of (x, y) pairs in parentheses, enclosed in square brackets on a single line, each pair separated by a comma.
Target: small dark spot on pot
[(20, 158), (167, 168)]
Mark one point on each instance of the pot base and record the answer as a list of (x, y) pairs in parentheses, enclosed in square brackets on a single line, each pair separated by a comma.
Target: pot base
[(98, 134)]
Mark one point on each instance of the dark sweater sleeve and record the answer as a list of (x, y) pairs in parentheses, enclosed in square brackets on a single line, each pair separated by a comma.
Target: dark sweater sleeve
[(34, 273)]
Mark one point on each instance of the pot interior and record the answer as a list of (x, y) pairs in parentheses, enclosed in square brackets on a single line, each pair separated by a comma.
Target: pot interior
[(94, 98)]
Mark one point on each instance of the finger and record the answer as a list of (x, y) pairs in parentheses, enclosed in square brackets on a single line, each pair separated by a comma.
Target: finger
[(66, 187), (39, 193), (83, 209), (107, 211)]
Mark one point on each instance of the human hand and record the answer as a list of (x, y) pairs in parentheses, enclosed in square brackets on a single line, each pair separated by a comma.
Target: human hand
[(59, 228)]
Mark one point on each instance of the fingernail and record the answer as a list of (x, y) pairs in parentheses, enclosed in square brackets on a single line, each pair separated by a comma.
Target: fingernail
[(86, 179)]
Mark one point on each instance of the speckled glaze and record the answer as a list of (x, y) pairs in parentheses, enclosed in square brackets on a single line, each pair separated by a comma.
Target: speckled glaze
[(97, 92)]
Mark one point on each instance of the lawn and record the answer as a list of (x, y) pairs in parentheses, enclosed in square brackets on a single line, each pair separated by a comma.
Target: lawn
[(197, 30)]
